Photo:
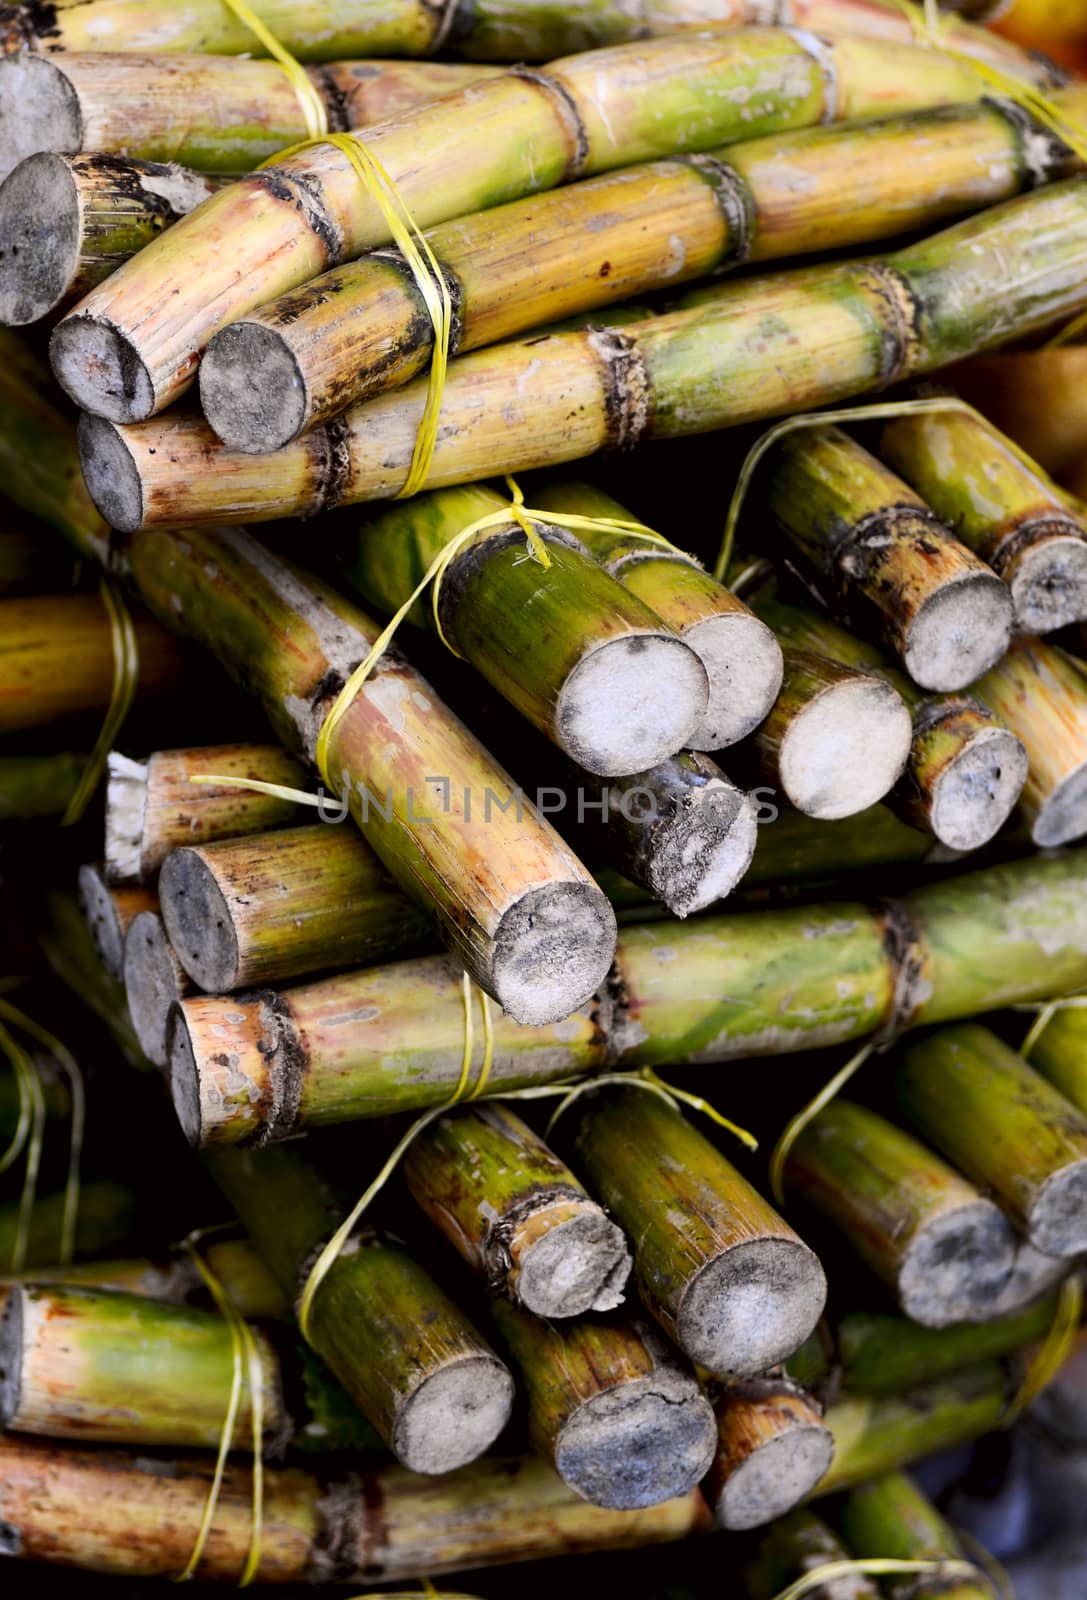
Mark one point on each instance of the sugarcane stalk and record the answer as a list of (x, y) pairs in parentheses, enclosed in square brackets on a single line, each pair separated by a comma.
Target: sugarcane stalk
[(890, 1517), (1037, 397), (1060, 1054), (722, 1273), (38, 786), (363, 328), (80, 1507), (741, 657), (155, 806), (244, 1278), (611, 1405), (965, 769), (118, 354), (1006, 1127), (516, 1213), (721, 988), (154, 978), (826, 333), (106, 1218), (522, 914), (412, 1362), (796, 1545), (214, 113), (1040, 692), (772, 1450), (884, 553), (110, 912), (1007, 512), (943, 1249), (585, 661), (791, 846)]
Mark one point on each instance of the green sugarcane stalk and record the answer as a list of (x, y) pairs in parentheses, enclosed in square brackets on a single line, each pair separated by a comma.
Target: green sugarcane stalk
[(120, 355), (363, 328), (1007, 511), (157, 805), (795, 1545), (1005, 1126), (827, 333), (516, 1213), (791, 846), (154, 980), (586, 662), (106, 1218), (524, 916), (890, 1517), (242, 1274), (703, 992), (884, 554), (722, 1273), (943, 1249), (38, 786), (773, 1449), (410, 1360), (965, 771), (1060, 1054), (611, 1404)]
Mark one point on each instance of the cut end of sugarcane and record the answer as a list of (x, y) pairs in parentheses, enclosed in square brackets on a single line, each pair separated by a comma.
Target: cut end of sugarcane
[(251, 388), (959, 632), (638, 1444), (775, 1477), (744, 665), (978, 789), (99, 367), (185, 1087), (126, 810), (102, 919), (701, 853), (198, 921), (580, 1265), (40, 232), (152, 984), (630, 703), (552, 951), (1049, 583), (846, 749), (957, 1265), (11, 1352), (454, 1415), (752, 1307), (110, 473), (39, 110), (1058, 1216), (1062, 817), (1034, 1275)]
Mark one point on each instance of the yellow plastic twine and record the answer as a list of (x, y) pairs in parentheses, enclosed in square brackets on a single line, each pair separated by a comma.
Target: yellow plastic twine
[(31, 1128), (126, 669), (314, 114), (1053, 1351), (876, 1567), (1046, 1011), (246, 1363), (796, 1126)]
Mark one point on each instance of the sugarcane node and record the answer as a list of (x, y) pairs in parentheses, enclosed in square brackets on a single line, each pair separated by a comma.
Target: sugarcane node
[(198, 921), (154, 982), (39, 110)]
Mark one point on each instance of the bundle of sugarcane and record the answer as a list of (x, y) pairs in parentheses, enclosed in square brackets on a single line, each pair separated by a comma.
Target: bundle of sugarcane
[(830, 332)]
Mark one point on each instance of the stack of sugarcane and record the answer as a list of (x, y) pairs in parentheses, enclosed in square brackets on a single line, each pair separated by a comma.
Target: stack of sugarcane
[(405, 968)]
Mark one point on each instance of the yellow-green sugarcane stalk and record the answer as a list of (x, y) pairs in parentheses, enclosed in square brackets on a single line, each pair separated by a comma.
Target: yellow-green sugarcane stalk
[(741, 657), (586, 662), (1060, 1054), (1007, 511), (826, 333), (612, 1405), (512, 30), (1005, 1126), (722, 1273), (107, 1218), (942, 1247), (158, 805), (273, 906), (408, 1357), (38, 786), (122, 1513), (133, 345), (791, 846), (796, 1545), (155, 980), (773, 1448), (516, 1213), (1040, 692), (965, 770), (886, 556), (363, 327), (523, 915), (214, 113), (109, 911), (709, 991), (242, 1274), (890, 1517)]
